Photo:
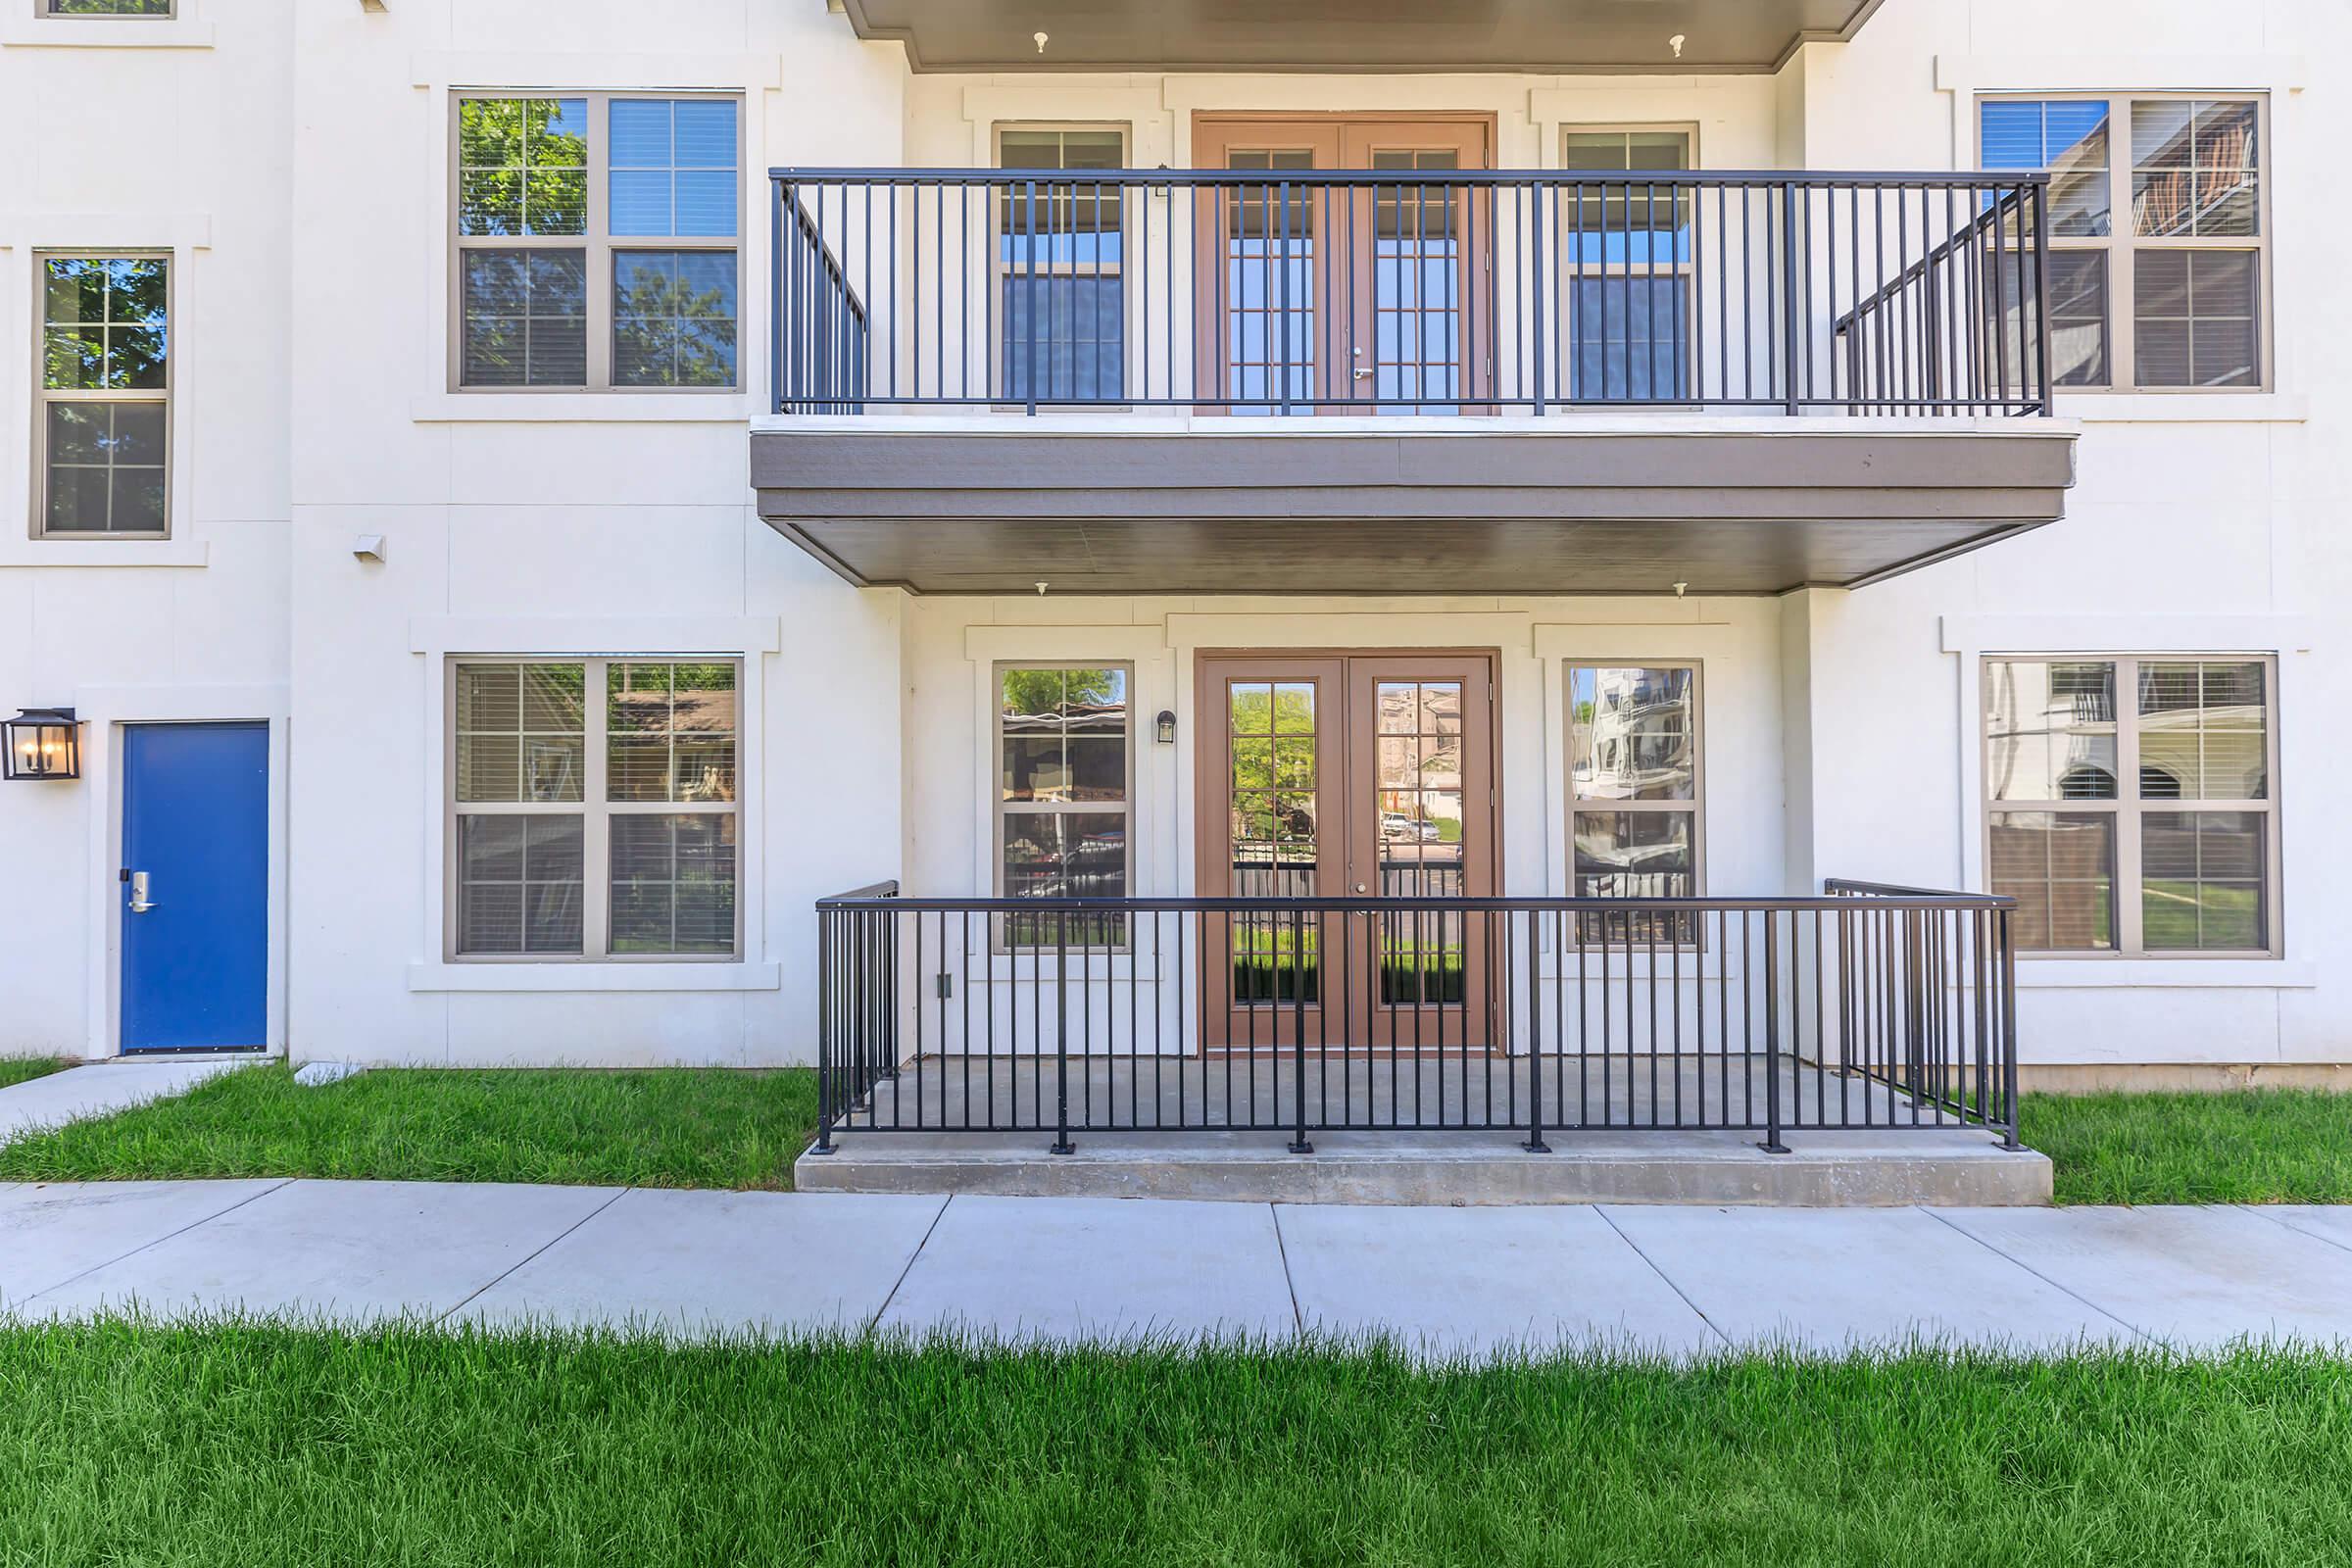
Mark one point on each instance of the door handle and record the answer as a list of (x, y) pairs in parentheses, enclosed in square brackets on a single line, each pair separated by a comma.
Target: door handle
[(139, 903), (1361, 374)]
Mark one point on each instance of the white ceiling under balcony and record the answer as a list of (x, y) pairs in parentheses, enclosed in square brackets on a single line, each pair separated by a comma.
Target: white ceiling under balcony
[(1362, 36)]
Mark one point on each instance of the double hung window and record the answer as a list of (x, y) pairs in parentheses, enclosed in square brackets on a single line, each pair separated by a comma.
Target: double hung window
[(597, 242), (1635, 791), (594, 807), (1627, 266), (1062, 304), (1065, 751), (2130, 805), (2157, 226), (104, 417)]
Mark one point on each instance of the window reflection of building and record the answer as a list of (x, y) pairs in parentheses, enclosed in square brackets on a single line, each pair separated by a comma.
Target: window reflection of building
[(1634, 775)]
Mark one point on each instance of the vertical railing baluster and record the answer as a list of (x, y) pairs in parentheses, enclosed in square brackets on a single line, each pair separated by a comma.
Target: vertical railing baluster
[(1772, 1143)]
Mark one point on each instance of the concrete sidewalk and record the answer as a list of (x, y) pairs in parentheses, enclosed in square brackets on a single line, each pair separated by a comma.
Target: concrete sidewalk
[(1448, 1281), (100, 1089)]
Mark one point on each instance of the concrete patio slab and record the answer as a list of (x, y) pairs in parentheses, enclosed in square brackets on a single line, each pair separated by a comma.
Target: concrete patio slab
[(1480, 1282), (51, 1232), (1828, 1281), (693, 1263), (2328, 1224), (99, 1089), (2193, 1277), (355, 1251), (1098, 1268)]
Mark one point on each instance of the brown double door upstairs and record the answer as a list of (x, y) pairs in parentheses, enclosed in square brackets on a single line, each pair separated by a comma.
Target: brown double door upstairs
[(1360, 775), (1315, 298)]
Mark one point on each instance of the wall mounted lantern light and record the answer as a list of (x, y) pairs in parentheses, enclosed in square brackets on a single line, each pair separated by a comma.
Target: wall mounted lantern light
[(1163, 728), (43, 743)]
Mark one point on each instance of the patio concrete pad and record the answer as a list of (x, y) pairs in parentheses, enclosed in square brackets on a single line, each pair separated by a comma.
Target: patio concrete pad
[(1098, 1268), (51, 1232), (352, 1251), (1482, 1282), (2326, 1222), (695, 1263), (98, 1090), (1829, 1280), (2193, 1277)]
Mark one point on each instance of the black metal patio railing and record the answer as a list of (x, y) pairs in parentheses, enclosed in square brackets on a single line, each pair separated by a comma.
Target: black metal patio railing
[(1868, 1006), (1435, 293)]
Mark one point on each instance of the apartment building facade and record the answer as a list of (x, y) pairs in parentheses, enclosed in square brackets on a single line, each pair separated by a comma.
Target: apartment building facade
[(525, 500)]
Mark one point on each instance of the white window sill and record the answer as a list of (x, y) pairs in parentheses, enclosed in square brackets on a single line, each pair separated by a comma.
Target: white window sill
[(595, 977), (2219, 974), (23, 552), (108, 33), (581, 408), (2183, 408)]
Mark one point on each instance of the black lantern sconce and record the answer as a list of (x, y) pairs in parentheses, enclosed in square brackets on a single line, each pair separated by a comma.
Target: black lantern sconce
[(1163, 728), (43, 743)]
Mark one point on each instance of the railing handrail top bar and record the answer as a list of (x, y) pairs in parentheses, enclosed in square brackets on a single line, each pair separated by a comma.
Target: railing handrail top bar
[(1927, 178), (1802, 902)]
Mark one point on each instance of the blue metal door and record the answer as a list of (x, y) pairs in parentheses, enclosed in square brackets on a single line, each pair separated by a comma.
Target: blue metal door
[(195, 886)]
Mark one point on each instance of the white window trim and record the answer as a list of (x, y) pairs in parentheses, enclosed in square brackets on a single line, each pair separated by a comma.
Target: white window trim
[(752, 640), (2120, 245), (42, 395), (27, 24), (595, 810), (22, 239), (2287, 638)]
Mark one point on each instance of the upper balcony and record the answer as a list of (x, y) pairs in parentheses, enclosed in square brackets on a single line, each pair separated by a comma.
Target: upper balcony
[(1247, 379)]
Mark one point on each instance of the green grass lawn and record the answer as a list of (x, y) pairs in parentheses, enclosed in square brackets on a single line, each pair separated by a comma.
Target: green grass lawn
[(252, 1446), (2263, 1145), (681, 1127), (24, 1069)]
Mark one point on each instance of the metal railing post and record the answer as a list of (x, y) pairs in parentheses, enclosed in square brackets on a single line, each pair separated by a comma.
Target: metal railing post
[(1535, 1143), (1772, 1143), (824, 1031), (2041, 293), (1029, 301), (1061, 1014), (1299, 1143), (1788, 335), (1535, 291), (2008, 1028)]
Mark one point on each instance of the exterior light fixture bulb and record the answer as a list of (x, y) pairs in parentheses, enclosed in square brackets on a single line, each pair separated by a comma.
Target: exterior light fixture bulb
[(1674, 43), (1039, 39)]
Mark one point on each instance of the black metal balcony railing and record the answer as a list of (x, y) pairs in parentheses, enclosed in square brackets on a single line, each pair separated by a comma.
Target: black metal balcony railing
[(1869, 1008), (1443, 293)]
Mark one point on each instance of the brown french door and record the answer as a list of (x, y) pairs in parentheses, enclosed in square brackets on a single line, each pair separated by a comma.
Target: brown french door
[(1367, 776), (1344, 299)]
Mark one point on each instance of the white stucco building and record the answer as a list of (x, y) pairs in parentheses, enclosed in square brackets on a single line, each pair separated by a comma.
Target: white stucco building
[(508, 560)]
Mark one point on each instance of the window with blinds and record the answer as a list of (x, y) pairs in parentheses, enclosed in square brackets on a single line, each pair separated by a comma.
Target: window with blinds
[(597, 242), (594, 808), (2130, 805), (2164, 290)]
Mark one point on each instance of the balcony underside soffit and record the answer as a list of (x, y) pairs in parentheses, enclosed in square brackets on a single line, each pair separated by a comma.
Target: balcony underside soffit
[(1568, 511), (1367, 35)]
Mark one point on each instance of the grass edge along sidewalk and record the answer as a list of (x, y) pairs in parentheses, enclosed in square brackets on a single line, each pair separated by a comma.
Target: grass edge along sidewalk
[(262, 1443)]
